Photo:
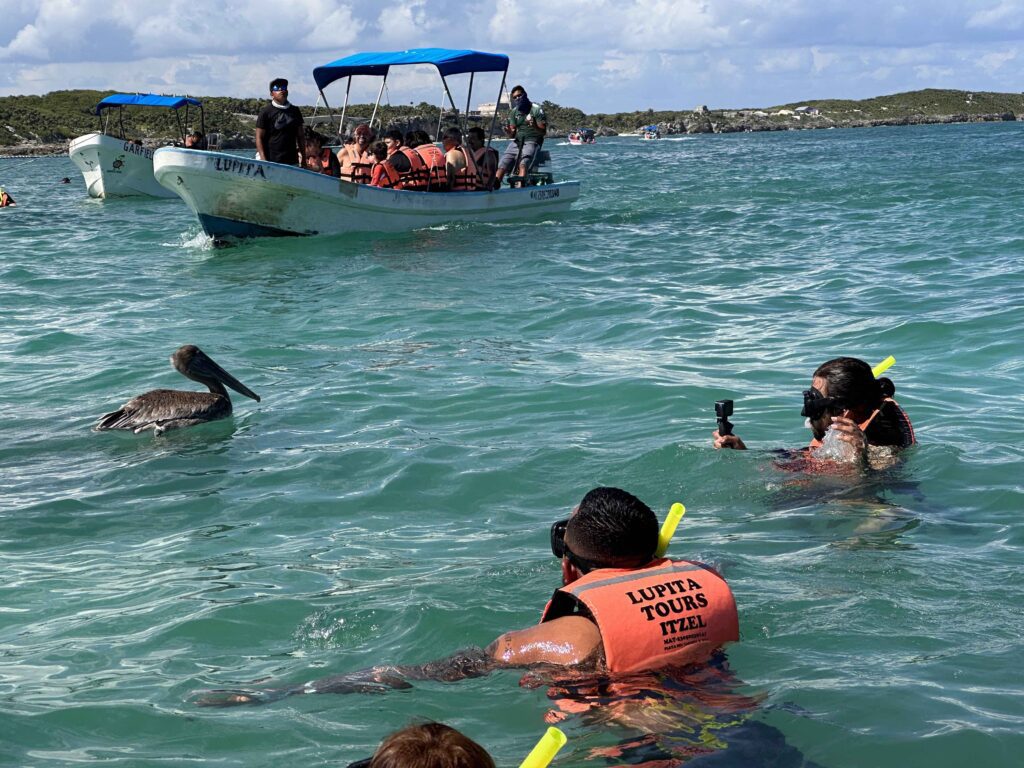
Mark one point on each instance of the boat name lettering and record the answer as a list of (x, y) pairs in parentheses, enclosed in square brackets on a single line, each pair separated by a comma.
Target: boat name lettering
[(136, 149), (544, 194), (241, 167)]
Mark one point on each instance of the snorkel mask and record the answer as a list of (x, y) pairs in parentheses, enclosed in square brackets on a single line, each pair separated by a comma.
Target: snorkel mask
[(816, 404)]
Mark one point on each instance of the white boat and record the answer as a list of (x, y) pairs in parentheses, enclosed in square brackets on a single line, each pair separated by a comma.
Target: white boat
[(240, 197), (650, 133), (582, 136), (114, 166)]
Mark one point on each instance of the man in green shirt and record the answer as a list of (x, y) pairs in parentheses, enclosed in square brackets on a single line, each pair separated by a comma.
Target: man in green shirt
[(526, 126)]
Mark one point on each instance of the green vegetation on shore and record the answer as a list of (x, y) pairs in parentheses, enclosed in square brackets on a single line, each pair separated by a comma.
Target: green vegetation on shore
[(55, 118)]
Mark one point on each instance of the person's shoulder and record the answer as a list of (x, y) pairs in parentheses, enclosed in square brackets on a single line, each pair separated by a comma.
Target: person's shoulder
[(294, 110)]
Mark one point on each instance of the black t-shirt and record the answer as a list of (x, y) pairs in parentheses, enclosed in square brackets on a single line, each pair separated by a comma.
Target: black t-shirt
[(399, 162), (281, 131)]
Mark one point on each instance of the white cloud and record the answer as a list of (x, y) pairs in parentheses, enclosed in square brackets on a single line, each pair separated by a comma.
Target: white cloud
[(991, 62), (561, 81), (785, 61), (596, 54)]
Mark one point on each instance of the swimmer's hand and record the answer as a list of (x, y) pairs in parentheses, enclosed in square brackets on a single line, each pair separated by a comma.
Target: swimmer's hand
[(727, 441), (850, 432)]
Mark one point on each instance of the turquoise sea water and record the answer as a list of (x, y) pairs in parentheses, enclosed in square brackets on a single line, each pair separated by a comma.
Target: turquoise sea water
[(433, 401)]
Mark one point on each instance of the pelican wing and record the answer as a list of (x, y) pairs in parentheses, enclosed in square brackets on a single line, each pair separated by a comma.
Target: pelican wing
[(164, 405)]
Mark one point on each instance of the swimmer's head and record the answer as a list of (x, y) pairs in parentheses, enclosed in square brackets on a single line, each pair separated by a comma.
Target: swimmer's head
[(430, 745), (611, 529), (840, 385)]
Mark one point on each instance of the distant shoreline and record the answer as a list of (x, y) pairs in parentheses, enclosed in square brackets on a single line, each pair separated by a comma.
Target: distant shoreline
[(43, 125)]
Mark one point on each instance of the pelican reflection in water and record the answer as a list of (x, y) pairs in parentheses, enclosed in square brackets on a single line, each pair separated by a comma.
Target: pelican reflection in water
[(164, 409)]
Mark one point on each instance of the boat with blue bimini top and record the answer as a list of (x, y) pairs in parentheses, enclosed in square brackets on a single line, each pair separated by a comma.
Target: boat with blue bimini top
[(650, 132), (242, 197), (112, 164)]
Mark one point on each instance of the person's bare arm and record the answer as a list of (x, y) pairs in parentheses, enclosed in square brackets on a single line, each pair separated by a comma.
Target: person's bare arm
[(569, 641), (260, 135)]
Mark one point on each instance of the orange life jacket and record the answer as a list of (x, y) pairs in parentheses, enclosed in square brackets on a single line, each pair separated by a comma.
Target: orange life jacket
[(385, 175), (467, 178), (355, 165), (433, 158), (668, 613), (324, 161), (478, 157), (416, 177), (908, 427)]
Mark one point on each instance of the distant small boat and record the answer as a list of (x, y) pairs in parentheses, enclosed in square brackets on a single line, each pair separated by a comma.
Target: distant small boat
[(582, 136), (114, 166), (649, 133)]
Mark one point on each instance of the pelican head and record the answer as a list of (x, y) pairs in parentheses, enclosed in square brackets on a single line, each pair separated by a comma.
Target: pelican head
[(189, 360)]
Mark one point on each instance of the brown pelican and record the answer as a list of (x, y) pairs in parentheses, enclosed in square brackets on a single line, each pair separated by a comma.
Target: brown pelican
[(164, 409)]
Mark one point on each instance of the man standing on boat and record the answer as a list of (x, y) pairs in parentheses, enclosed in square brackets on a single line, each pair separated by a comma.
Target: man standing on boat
[(527, 125), (279, 137)]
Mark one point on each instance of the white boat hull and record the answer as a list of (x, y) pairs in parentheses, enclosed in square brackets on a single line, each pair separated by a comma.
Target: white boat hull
[(238, 197), (114, 167)]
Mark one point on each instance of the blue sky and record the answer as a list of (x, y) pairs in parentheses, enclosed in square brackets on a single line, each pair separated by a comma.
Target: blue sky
[(598, 55)]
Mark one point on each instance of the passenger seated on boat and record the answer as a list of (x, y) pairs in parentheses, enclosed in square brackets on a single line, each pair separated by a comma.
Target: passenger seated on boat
[(6, 201), (460, 167), (527, 126), (383, 174), (317, 157), (486, 157), (433, 158), (356, 160), (195, 140), (396, 157)]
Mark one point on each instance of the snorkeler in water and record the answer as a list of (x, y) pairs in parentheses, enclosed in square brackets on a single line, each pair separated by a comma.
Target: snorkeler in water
[(847, 404), (622, 609)]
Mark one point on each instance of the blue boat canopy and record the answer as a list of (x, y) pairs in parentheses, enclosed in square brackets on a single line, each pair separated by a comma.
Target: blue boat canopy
[(447, 61), (145, 100), (650, 128)]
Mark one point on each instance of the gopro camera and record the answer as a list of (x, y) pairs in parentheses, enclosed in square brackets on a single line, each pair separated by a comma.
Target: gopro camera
[(723, 410)]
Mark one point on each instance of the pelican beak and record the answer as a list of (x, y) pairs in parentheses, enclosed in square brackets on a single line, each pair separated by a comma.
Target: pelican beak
[(205, 365)]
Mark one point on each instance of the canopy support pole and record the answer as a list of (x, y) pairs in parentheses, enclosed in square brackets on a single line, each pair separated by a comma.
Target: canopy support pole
[(380, 93), (497, 104), (341, 125), (469, 97)]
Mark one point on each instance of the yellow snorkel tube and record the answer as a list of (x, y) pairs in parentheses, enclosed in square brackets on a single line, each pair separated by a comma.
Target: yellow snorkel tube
[(545, 750), (883, 366), (668, 528)]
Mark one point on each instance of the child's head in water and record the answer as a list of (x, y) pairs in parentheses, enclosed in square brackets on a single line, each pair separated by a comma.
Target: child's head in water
[(430, 745)]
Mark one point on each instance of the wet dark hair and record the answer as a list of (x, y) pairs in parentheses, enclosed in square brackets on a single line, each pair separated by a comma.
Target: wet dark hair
[(423, 137), (430, 745), (379, 150), (311, 134), (613, 529), (393, 133), (453, 134), (851, 383), (478, 132), (410, 139)]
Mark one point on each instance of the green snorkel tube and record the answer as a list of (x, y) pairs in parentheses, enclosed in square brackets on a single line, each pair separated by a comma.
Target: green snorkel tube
[(668, 528), (545, 750)]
